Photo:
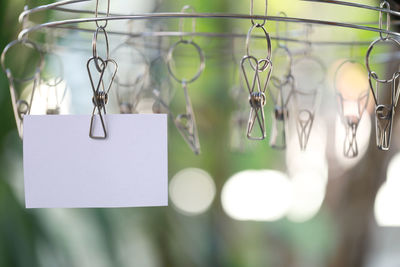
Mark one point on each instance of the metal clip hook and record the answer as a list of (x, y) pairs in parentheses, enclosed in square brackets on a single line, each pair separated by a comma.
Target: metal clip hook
[(350, 110), (100, 94), (279, 94), (54, 85), (22, 107), (351, 122), (350, 146), (309, 95), (280, 112), (257, 98), (384, 112), (384, 120), (305, 120), (186, 124)]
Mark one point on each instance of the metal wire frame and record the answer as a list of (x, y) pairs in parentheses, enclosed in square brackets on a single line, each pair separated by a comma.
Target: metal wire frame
[(24, 32), (59, 6), (357, 5), (214, 35)]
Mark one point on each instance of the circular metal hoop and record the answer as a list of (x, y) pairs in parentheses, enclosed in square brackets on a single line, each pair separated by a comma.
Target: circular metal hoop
[(170, 58), (370, 48), (322, 67), (29, 44), (269, 46), (278, 82), (94, 46), (144, 60)]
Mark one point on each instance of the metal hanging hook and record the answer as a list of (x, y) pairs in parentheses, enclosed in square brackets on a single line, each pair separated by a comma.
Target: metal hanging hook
[(279, 41), (252, 13), (181, 22), (97, 14), (384, 4), (100, 94), (257, 97), (94, 46)]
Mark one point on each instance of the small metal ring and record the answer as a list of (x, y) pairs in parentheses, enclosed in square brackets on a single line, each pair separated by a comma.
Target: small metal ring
[(383, 4), (269, 49), (323, 70), (201, 56), (94, 47), (372, 73), (27, 43), (142, 56), (252, 13), (181, 20), (107, 14)]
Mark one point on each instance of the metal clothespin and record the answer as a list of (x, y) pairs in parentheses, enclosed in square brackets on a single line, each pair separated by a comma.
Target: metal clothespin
[(100, 93), (350, 110), (305, 104), (384, 111), (131, 86), (259, 68), (280, 92), (186, 122), (257, 98), (306, 96), (239, 118), (351, 122), (53, 88), (22, 107), (129, 98)]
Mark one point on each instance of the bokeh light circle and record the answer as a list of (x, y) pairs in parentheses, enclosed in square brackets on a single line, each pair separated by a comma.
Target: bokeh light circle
[(252, 195), (192, 191)]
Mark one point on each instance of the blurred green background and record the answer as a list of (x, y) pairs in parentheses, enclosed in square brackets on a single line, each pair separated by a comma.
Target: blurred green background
[(342, 232)]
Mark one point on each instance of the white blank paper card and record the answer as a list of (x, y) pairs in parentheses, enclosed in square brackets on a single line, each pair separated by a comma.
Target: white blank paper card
[(65, 168)]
